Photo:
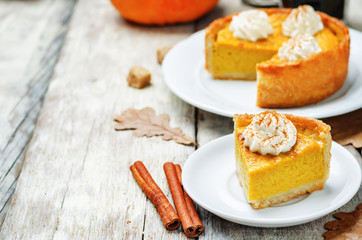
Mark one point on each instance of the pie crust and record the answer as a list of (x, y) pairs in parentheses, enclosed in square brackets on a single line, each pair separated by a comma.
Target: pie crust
[(283, 84)]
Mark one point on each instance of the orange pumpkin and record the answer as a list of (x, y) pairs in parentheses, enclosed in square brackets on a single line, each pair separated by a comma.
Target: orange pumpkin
[(161, 12)]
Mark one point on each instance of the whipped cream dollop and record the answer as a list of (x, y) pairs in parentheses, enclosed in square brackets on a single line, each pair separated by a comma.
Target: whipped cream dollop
[(251, 25), (299, 48), (302, 20), (270, 133)]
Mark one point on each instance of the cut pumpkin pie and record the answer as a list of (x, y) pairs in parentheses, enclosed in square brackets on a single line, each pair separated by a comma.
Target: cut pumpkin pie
[(280, 157), (281, 83)]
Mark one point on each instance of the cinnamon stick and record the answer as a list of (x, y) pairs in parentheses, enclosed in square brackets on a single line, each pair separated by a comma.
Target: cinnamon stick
[(168, 215), (189, 202), (185, 208)]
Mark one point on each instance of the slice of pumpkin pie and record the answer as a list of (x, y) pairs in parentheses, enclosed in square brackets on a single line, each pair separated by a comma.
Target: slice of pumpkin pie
[(280, 157)]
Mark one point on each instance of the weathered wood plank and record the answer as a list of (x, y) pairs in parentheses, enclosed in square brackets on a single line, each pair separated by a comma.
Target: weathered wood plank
[(76, 182), (31, 35)]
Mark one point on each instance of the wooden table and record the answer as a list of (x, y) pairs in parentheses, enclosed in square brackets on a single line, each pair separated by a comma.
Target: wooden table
[(75, 182)]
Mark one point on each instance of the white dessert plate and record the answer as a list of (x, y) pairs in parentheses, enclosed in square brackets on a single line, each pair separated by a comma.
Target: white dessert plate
[(210, 179), (184, 73)]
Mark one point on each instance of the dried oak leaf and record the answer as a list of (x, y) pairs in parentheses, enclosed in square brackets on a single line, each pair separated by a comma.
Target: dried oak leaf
[(349, 225), (146, 123)]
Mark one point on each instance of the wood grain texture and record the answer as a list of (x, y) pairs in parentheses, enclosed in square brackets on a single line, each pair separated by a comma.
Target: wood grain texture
[(31, 35), (76, 182)]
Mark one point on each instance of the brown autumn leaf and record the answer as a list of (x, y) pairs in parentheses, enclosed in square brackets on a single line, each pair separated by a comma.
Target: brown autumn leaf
[(146, 123), (348, 225)]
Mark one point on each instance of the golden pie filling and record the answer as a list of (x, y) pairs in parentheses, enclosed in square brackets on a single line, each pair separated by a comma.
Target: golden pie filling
[(226, 60), (269, 175)]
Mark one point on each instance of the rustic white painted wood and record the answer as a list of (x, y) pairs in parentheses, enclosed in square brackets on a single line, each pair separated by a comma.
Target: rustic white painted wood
[(31, 34), (75, 182)]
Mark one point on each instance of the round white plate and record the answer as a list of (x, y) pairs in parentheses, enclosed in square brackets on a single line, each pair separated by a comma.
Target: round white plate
[(210, 179), (184, 73)]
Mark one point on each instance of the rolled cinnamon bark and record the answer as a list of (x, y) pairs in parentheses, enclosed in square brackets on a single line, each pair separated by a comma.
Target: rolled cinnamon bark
[(189, 202), (185, 208), (168, 215)]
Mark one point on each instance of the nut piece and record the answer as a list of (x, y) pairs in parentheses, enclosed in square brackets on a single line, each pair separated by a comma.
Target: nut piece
[(161, 52), (139, 77)]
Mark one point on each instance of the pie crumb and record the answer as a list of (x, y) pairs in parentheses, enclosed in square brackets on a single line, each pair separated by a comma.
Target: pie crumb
[(138, 77), (162, 51)]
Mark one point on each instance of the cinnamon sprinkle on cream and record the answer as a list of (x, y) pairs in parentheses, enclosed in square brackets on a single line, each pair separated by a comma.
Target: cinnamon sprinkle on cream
[(270, 133)]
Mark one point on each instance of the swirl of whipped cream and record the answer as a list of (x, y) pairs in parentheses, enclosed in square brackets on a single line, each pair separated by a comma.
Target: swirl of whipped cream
[(302, 20), (270, 133), (251, 25), (299, 48)]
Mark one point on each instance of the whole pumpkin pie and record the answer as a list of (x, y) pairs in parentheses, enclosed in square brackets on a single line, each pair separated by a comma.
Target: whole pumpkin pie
[(280, 157), (231, 52)]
